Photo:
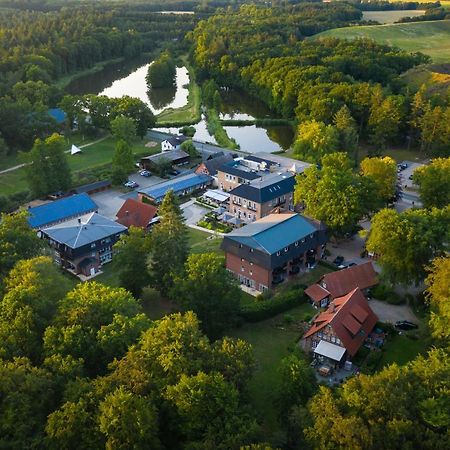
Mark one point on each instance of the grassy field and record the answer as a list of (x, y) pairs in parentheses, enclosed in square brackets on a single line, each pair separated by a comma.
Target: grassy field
[(94, 156), (431, 38), (391, 16), (202, 242), (401, 349), (444, 3), (272, 340)]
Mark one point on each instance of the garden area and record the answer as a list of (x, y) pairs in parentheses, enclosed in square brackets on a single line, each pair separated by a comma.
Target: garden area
[(210, 222)]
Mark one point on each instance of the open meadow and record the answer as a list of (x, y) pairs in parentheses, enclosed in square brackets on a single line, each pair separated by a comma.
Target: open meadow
[(391, 16), (431, 38)]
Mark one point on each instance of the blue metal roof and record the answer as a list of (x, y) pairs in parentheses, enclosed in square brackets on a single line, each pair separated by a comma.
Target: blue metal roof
[(274, 232), (179, 184), (59, 210), (58, 114)]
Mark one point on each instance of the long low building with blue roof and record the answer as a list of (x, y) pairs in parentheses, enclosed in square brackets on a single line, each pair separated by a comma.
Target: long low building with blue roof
[(61, 210), (181, 186), (274, 248)]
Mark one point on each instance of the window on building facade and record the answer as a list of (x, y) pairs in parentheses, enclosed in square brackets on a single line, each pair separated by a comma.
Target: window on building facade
[(242, 269)]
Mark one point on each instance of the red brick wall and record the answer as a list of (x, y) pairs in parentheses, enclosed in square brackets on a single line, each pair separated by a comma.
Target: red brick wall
[(259, 274), (202, 169)]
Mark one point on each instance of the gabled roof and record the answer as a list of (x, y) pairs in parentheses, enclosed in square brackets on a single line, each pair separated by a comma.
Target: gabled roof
[(213, 164), (176, 140), (274, 232), (341, 282), (135, 213), (350, 317), (85, 230), (268, 188), (316, 293), (58, 210), (171, 155)]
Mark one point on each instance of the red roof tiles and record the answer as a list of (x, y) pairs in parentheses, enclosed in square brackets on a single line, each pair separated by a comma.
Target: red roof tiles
[(343, 281), (136, 213), (316, 293), (351, 319)]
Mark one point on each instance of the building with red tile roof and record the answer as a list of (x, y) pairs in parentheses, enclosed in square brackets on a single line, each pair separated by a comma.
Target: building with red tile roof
[(339, 283), (136, 213), (341, 329)]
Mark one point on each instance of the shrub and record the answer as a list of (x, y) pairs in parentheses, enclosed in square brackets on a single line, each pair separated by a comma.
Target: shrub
[(288, 319), (149, 295), (263, 308)]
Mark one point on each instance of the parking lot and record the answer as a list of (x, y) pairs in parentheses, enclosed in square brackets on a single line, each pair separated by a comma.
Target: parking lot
[(110, 201)]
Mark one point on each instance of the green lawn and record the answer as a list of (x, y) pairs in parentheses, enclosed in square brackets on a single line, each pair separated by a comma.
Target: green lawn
[(202, 242), (401, 349), (431, 38), (94, 156), (272, 340)]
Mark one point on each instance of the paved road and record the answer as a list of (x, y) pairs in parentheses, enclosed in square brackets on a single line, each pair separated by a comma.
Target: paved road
[(204, 148), (391, 313), (110, 201)]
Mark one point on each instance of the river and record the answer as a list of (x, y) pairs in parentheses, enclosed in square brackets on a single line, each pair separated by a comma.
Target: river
[(118, 79)]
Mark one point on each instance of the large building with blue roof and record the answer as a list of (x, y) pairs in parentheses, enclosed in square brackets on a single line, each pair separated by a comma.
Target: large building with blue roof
[(58, 211), (181, 186), (272, 249)]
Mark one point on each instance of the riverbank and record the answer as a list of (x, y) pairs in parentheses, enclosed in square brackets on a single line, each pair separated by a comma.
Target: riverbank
[(63, 82), (216, 129), (190, 113)]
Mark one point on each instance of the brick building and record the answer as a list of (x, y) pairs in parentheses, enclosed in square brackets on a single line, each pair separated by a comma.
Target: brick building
[(272, 249), (259, 198)]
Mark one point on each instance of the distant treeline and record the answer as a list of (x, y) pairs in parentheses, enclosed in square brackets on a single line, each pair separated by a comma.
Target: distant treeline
[(39, 48), (366, 5)]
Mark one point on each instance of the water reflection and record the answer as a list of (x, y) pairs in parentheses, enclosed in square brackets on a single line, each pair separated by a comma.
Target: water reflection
[(237, 105), (117, 80), (252, 139)]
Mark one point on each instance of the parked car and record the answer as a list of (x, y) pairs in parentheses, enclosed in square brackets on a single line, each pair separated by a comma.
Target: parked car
[(405, 325), (338, 260), (145, 173), (174, 172), (352, 264), (131, 184), (277, 279)]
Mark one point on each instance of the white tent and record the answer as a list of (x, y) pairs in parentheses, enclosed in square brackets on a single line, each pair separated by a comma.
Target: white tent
[(74, 150)]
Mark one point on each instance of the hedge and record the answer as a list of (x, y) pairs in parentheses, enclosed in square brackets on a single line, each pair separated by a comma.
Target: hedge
[(264, 309)]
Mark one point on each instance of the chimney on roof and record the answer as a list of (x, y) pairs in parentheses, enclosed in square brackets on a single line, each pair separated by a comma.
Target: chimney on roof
[(127, 213), (79, 220), (333, 307)]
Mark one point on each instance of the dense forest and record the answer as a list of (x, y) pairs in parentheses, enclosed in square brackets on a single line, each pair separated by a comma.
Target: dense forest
[(39, 48), (268, 53)]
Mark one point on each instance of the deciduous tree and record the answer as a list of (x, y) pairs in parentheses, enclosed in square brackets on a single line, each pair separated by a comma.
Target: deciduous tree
[(123, 129), (132, 251), (434, 183), (209, 290), (383, 171)]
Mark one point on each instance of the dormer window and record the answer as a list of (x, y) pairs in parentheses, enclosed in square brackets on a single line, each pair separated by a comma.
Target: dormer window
[(296, 244), (286, 249), (278, 253)]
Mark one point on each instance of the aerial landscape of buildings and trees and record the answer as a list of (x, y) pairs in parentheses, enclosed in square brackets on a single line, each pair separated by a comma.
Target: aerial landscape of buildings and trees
[(224, 224)]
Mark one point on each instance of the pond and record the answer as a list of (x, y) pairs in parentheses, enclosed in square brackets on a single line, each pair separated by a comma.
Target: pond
[(118, 79), (269, 139), (237, 105)]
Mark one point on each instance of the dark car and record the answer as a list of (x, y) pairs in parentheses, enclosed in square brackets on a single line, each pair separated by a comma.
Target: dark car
[(352, 264), (277, 279), (405, 325), (174, 172), (338, 260)]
